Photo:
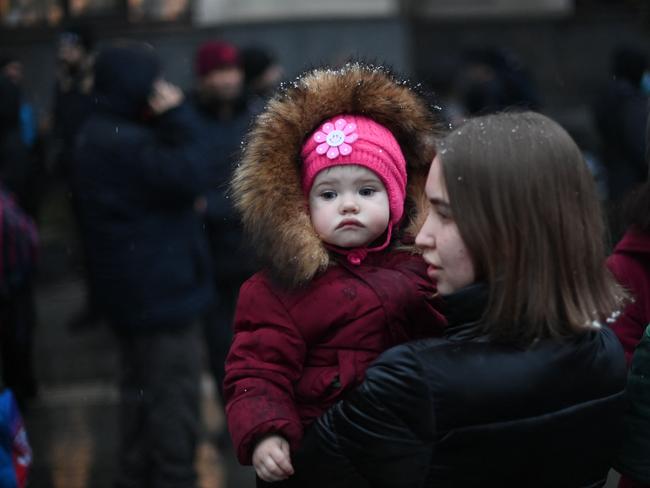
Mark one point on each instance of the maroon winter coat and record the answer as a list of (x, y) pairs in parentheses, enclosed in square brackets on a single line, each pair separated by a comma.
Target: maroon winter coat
[(630, 264), (297, 352), (299, 346)]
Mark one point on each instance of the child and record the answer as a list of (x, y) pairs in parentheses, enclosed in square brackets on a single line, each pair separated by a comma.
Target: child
[(322, 187)]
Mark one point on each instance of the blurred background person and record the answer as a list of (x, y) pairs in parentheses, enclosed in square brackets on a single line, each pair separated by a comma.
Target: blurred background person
[(16, 163), (72, 93), (491, 79), (15, 452), (13, 70), (27, 145), (72, 106), (220, 82), (630, 263), (18, 258), (620, 112), (439, 82), (221, 101), (141, 165), (262, 75)]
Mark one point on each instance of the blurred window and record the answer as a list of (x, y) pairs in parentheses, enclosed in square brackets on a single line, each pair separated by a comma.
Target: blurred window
[(158, 10), (35, 13)]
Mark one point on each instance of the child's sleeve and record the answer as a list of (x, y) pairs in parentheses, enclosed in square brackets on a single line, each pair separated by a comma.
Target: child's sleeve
[(632, 322), (265, 359), (424, 316)]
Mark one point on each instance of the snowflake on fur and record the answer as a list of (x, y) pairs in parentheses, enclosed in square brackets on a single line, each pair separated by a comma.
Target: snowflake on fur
[(335, 139)]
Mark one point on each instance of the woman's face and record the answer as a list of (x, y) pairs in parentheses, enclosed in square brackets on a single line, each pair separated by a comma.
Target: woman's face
[(450, 265)]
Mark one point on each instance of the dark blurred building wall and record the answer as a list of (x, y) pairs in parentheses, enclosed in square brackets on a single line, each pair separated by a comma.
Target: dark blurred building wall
[(568, 58), (298, 45)]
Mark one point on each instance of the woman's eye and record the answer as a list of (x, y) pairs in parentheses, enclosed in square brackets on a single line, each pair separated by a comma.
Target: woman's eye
[(328, 195), (367, 192), (441, 213)]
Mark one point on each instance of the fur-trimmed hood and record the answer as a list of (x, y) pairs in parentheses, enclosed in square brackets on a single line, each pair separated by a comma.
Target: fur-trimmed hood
[(266, 185)]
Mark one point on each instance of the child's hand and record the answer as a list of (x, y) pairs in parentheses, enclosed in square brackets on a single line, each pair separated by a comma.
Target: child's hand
[(272, 460)]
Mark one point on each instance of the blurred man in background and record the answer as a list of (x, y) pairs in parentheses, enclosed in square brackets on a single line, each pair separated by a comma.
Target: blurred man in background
[(141, 165)]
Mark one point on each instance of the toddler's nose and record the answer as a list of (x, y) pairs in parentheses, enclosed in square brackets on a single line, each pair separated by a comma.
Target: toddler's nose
[(349, 205)]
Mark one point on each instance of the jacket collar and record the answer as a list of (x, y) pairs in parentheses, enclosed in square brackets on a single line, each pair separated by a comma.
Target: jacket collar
[(464, 310)]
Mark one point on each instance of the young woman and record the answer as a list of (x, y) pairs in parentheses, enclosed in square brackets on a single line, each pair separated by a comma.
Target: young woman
[(526, 387)]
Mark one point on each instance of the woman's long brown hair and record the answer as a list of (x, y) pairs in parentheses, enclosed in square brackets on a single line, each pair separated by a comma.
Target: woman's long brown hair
[(527, 209)]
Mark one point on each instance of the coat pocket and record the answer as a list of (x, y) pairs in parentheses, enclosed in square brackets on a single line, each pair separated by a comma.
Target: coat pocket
[(323, 383)]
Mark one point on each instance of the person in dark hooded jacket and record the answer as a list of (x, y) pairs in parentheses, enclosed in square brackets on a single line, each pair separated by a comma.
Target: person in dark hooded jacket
[(141, 167)]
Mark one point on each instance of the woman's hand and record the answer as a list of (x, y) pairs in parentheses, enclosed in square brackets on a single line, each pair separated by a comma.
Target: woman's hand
[(271, 459)]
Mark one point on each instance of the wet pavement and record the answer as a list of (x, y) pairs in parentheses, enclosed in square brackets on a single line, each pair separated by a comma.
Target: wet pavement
[(72, 423)]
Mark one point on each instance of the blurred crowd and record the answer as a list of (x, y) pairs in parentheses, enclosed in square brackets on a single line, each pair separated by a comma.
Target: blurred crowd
[(146, 166)]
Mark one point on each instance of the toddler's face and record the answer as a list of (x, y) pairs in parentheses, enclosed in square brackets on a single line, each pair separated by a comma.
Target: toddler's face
[(349, 206)]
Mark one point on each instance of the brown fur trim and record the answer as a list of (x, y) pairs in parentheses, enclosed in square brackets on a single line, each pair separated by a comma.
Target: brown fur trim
[(266, 185)]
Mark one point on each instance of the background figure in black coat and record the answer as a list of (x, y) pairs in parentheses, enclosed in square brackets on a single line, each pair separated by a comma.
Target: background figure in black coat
[(141, 165), (225, 117), (620, 113)]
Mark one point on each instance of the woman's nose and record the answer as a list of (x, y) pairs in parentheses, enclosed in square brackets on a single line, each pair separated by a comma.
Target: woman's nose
[(425, 238)]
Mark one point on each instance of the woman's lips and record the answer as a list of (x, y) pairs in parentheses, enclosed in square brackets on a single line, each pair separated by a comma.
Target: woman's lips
[(432, 271)]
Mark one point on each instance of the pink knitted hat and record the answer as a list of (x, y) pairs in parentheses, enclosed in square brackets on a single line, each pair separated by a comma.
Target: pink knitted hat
[(354, 139)]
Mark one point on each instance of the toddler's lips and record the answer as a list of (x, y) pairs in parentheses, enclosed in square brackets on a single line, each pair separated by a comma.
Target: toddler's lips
[(349, 223)]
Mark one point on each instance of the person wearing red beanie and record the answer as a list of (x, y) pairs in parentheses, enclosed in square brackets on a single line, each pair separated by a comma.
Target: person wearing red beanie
[(220, 77), (225, 116)]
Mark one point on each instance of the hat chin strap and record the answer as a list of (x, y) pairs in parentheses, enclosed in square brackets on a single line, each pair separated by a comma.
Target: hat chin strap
[(356, 256)]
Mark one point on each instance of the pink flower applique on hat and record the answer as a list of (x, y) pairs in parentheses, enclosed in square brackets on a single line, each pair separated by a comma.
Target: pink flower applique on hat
[(335, 139)]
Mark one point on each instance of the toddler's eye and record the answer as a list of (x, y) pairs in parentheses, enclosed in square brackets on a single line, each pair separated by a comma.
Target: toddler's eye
[(367, 192), (328, 195)]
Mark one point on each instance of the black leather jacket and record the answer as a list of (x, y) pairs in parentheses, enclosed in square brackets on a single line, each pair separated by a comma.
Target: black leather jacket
[(464, 411)]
